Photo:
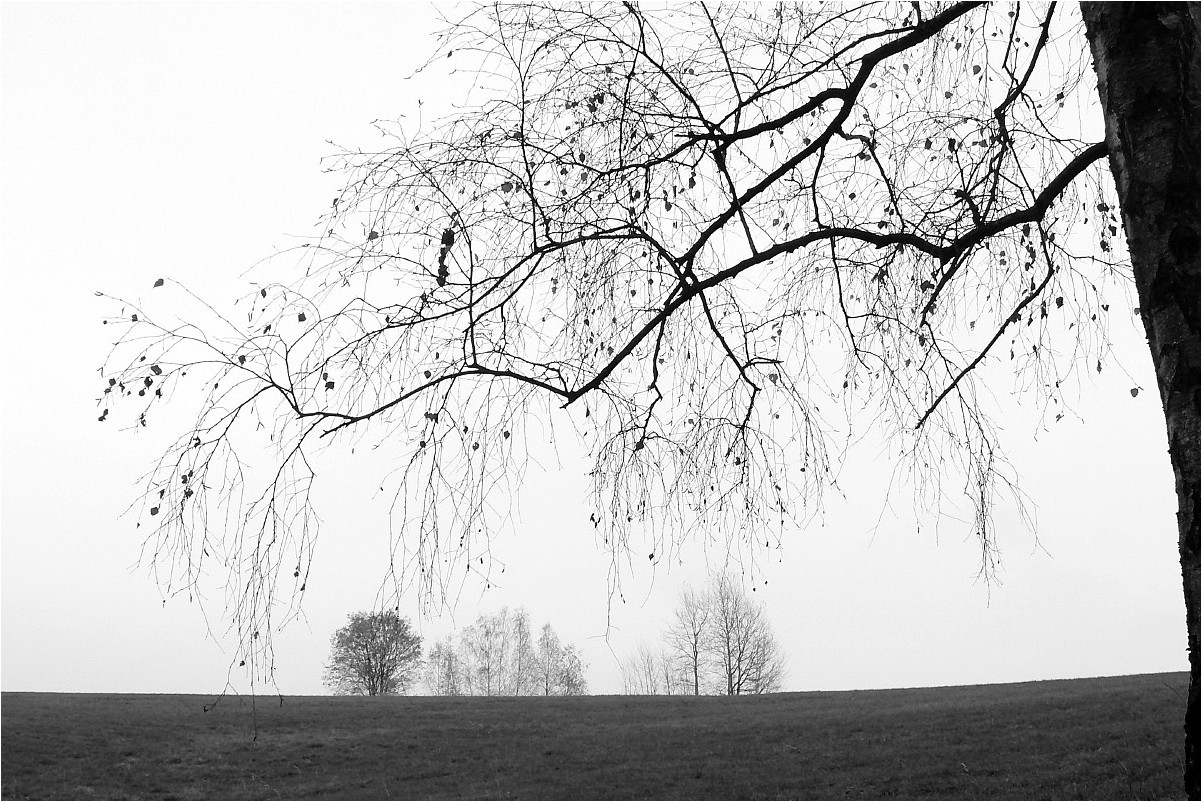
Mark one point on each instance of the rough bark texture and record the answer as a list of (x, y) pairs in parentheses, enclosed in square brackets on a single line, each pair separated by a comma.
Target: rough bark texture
[(1146, 55)]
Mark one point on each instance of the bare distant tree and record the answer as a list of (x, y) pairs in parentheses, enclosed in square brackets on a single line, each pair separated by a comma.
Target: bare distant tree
[(739, 641), (374, 654), (651, 671), (671, 674), (443, 672), (640, 672), (523, 661), (496, 656), (484, 646), (718, 641), (686, 633), (724, 237), (559, 669)]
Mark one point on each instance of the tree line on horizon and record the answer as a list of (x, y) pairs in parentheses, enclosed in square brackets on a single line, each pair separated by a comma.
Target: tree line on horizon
[(379, 654), (498, 655), (717, 642)]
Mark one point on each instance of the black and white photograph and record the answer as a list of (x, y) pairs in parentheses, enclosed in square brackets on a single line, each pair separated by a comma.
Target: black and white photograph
[(599, 400)]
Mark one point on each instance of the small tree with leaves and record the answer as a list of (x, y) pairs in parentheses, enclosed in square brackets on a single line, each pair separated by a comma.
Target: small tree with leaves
[(374, 654)]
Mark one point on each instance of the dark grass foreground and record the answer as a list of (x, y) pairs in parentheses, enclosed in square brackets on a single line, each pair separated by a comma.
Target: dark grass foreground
[(1091, 739)]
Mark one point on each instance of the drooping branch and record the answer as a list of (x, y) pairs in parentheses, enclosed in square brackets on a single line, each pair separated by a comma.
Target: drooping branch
[(698, 236)]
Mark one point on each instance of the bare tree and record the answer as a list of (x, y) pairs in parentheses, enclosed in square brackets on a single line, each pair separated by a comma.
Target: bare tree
[(559, 669), (739, 641), (719, 641), (639, 674), (723, 238), (443, 672), (522, 660), (686, 633), (496, 656), (484, 647), (651, 671), (374, 654)]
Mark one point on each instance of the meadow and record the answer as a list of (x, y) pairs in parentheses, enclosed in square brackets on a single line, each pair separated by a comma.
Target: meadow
[(1105, 738)]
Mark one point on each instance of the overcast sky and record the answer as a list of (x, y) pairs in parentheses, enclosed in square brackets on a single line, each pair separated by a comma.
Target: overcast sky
[(184, 140)]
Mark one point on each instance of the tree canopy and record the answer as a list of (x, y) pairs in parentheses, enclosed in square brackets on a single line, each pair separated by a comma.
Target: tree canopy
[(724, 239), (373, 654)]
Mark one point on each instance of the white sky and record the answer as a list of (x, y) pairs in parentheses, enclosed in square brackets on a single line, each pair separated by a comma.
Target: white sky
[(184, 139)]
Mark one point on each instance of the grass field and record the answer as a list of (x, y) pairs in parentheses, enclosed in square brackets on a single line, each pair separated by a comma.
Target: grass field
[(1110, 738)]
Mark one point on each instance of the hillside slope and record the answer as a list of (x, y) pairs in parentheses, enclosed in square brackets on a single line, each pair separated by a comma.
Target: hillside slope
[(1116, 737)]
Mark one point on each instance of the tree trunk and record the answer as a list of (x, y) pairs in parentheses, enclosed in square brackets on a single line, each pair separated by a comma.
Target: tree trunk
[(1146, 56)]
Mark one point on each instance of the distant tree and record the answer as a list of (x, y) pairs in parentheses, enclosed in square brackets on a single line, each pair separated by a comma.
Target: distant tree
[(654, 670), (649, 671), (718, 641), (559, 669), (496, 656), (523, 662), (443, 671), (484, 646), (686, 634), (739, 641), (374, 654), (726, 238)]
